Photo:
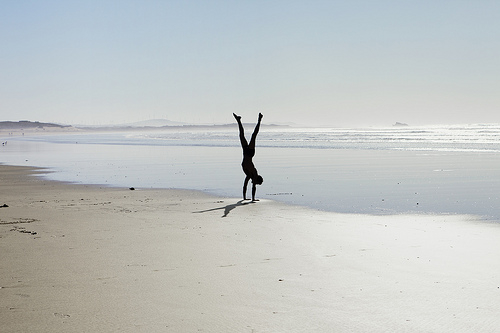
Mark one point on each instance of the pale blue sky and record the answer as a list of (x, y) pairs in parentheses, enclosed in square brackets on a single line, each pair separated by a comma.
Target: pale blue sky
[(338, 63)]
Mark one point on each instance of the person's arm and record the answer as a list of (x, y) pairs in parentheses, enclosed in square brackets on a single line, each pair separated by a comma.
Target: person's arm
[(245, 187), (254, 189)]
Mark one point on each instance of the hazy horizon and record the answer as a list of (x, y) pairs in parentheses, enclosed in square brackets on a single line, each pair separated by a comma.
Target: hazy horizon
[(159, 123), (313, 63)]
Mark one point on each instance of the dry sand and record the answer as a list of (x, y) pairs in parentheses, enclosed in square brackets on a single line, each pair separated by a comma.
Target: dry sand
[(78, 258)]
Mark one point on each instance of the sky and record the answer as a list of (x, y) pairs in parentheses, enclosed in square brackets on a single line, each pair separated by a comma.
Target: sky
[(312, 62)]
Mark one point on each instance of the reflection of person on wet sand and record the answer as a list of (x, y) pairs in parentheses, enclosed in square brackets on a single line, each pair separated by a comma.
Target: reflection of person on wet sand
[(248, 153)]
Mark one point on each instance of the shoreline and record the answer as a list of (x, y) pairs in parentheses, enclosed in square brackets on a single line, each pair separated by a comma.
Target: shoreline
[(41, 171), (88, 258), (380, 182)]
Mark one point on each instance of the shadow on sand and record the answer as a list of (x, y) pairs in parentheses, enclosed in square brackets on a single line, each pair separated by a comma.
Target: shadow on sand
[(228, 208)]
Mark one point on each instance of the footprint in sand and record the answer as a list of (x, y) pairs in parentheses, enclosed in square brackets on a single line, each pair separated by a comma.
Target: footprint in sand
[(61, 315)]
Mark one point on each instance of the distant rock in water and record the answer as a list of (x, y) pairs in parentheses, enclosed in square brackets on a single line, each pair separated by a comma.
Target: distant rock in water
[(397, 124)]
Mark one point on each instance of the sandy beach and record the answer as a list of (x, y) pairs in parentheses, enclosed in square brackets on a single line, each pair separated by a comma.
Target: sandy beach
[(79, 258)]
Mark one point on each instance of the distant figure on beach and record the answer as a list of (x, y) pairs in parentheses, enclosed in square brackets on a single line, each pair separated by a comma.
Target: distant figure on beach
[(248, 153)]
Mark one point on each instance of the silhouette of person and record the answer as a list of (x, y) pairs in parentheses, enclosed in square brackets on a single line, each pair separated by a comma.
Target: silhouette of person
[(248, 153)]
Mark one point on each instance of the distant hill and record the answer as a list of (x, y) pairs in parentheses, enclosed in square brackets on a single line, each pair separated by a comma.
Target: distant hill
[(25, 124), (115, 128), (153, 123)]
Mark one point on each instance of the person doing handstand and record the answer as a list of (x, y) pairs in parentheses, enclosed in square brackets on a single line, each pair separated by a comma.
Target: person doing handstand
[(248, 153)]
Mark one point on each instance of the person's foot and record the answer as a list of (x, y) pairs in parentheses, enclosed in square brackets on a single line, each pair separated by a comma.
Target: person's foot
[(236, 116), (260, 116)]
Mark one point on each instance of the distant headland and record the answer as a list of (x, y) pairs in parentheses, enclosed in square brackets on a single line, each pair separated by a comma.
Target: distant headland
[(25, 124)]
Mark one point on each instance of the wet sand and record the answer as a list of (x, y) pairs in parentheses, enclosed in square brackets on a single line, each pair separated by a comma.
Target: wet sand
[(78, 258)]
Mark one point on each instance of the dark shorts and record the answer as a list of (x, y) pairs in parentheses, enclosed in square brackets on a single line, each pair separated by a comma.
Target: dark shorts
[(250, 152)]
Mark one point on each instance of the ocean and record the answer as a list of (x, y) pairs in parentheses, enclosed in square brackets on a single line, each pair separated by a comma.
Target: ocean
[(451, 169)]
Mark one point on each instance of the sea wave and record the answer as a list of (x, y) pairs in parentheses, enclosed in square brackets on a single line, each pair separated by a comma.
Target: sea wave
[(466, 138), (440, 138)]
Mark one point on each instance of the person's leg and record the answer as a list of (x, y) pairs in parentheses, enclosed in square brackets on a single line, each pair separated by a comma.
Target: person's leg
[(255, 132), (243, 140)]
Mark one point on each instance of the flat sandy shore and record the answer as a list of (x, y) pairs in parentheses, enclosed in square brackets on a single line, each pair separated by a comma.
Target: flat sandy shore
[(78, 258)]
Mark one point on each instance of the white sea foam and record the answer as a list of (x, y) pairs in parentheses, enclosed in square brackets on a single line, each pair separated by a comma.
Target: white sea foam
[(467, 138)]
